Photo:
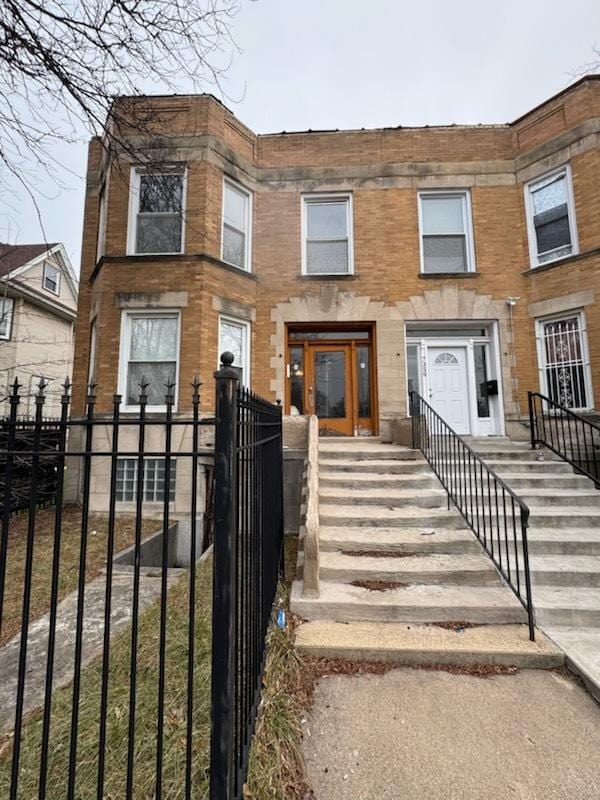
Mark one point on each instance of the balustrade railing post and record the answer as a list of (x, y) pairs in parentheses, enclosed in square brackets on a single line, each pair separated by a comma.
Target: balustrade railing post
[(524, 523), (222, 762), (531, 420)]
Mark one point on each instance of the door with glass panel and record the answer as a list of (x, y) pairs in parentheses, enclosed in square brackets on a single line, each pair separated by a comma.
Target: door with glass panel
[(330, 388), (330, 374)]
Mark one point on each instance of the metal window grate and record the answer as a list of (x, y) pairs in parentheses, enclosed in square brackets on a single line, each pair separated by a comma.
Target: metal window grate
[(564, 362)]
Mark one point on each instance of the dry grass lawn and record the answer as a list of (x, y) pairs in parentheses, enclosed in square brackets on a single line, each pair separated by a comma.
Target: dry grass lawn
[(43, 551)]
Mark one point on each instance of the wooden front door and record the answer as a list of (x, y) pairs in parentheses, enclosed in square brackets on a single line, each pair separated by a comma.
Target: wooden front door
[(330, 387), (331, 374)]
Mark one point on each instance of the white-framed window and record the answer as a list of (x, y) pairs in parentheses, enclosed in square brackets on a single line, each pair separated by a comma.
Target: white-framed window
[(149, 353), (153, 480), (446, 232), (550, 213), (92, 356), (234, 336), (563, 359), (327, 246), (51, 279), (6, 315), (236, 229), (156, 210)]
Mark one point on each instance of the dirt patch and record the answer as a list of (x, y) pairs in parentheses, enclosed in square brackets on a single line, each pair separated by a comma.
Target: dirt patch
[(475, 670), (454, 625), (379, 586)]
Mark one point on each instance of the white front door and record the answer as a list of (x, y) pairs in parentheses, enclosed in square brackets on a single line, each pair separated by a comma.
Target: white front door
[(448, 386)]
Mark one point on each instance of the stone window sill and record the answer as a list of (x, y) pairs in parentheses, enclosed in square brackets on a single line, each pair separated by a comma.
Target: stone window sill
[(561, 262), (431, 276)]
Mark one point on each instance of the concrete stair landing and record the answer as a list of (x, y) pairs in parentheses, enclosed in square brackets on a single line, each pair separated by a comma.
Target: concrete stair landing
[(394, 561)]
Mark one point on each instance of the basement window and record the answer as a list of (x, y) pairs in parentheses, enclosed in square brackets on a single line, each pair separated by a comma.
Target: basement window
[(327, 234), (156, 208), (153, 482), (551, 217)]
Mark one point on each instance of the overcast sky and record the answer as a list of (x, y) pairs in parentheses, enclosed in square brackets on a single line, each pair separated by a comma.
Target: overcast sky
[(350, 64)]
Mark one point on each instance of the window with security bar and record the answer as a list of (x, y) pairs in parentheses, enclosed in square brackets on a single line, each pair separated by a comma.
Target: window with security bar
[(565, 364), (153, 482)]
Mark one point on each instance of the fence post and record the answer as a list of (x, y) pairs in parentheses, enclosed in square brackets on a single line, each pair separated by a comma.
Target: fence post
[(222, 764)]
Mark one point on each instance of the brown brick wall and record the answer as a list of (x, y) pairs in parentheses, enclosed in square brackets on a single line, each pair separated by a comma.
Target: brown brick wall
[(386, 243)]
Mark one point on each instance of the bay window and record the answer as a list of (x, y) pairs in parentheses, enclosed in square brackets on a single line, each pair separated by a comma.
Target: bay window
[(156, 210), (149, 354)]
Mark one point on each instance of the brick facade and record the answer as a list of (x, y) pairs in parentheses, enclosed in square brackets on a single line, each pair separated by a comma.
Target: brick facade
[(383, 170)]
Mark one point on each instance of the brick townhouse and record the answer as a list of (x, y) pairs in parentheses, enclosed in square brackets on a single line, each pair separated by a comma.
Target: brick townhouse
[(343, 268)]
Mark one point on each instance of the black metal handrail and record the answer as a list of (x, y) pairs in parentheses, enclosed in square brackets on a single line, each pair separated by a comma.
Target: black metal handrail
[(487, 504), (572, 437)]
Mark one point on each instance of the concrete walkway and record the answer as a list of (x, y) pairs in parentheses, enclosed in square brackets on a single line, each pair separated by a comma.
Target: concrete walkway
[(93, 632), (422, 735)]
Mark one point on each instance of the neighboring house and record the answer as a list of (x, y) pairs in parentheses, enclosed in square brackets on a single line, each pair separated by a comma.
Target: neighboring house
[(38, 308), (343, 268)]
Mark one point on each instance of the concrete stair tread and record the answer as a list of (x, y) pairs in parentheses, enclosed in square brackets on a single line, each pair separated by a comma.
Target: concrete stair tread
[(378, 512), (332, 477), (567, 597), (428, 644), (565, 563), (365, 458), (577, 511), (335, 493), (562, 534), (401, 539), (411, 603), (552, 492), (543, 479), (441, 563), (497, 464), (351, 445), (439, 568)]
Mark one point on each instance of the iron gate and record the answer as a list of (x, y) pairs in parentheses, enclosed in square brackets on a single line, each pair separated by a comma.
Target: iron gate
[(149, 712)]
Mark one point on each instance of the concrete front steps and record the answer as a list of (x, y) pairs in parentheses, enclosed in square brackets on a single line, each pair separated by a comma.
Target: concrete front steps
[(394, 561), (564, 546), (563, 537)]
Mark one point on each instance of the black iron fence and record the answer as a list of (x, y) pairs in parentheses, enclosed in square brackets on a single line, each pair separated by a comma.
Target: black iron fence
[(497, 516), (133, 644), (18, 434), (568, 434), (248, 555)]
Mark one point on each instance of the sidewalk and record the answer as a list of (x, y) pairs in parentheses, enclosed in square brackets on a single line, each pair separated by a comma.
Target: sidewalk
[(427, 735)]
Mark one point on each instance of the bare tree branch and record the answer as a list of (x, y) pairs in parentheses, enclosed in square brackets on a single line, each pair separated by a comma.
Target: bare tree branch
[(64, 62)]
